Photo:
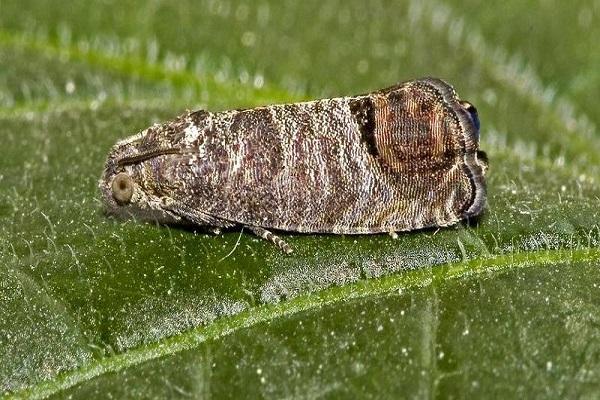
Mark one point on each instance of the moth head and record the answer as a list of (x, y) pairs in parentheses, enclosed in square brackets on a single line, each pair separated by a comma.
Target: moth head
[(130, 188)]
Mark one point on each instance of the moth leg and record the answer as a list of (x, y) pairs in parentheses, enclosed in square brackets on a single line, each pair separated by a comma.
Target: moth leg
[(393, 234), (271, 237), (195, 216)]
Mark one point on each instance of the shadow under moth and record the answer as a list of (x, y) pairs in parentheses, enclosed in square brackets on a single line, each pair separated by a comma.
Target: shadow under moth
[(397, 159)]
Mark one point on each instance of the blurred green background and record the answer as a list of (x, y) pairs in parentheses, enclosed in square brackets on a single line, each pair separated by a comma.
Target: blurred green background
[(91, 307)]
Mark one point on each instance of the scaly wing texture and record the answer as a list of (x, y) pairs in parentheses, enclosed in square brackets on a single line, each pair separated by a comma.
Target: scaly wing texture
[(388, 161)]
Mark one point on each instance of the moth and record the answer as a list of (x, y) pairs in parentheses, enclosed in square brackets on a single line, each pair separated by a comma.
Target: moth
[(398, 159)]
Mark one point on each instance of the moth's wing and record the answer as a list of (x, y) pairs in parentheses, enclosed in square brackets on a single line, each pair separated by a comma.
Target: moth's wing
[(425, 136), (231, 173)]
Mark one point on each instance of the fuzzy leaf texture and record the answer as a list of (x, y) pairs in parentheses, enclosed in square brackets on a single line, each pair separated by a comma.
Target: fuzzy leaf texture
[(91, 307)]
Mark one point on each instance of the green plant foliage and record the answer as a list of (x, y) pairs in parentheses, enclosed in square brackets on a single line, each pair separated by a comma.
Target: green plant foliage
[(92, 307)]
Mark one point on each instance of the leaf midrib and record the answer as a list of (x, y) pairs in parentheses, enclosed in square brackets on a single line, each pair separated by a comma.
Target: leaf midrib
[(481, 267)]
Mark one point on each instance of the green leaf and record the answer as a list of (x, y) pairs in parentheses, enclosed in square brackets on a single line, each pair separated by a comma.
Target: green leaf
[(93, 307)]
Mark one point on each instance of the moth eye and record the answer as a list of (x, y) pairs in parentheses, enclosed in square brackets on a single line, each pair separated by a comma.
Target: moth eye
[(122, 188), (472, 112)]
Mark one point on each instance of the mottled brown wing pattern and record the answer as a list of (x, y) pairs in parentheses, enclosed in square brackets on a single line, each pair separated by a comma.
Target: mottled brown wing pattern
[(398, 159)]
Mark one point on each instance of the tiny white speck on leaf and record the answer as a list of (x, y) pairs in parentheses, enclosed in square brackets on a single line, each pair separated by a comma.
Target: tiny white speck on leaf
[(248, 38), (70, 87)]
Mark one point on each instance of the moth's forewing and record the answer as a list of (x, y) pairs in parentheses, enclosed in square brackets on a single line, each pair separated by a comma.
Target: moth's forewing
[(427, 144), (398, 159)]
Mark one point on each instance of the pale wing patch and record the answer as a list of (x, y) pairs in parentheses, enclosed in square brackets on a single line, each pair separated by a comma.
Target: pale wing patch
[(190, 134)]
